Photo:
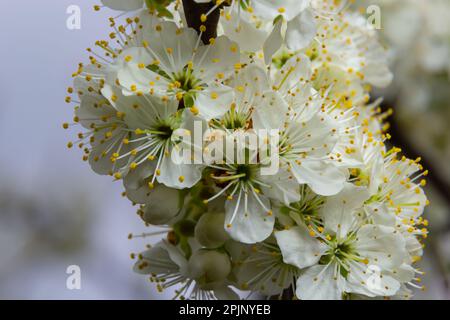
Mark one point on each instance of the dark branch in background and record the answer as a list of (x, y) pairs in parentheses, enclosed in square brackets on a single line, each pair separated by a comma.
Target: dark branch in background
[(193, 12)]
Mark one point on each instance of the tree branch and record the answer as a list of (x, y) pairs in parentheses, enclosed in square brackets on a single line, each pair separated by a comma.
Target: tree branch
[(194, 11)]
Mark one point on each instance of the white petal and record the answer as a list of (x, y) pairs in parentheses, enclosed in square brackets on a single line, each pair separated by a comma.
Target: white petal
[(176, 174), (300, 31), (134, 79), (382, 246), (288, 78), (270, 9), (320, 283), (323, 178), (271, 111), (135, 178), (252, 273), (273, 42), (380, 214), (177, 256), (140, 195), (283, 187), (251, 223), (339, 210), (378, 74), (172, 46), (254, 81), (100, 157), (240, 28), (370, 281), (120, 5), (156, 260), (93, 108), (219, 57), (214, 101), (299, 248)]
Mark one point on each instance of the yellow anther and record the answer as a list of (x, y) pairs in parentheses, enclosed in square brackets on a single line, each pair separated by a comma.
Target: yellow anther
[(194, 110)]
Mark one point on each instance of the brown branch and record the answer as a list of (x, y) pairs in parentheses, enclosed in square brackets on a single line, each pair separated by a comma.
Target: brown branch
[(193, 12)]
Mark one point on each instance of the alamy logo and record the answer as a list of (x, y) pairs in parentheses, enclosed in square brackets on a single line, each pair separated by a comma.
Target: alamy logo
[(73, 22), (374, 280), (217, 147), (374, 17), (73, 281)]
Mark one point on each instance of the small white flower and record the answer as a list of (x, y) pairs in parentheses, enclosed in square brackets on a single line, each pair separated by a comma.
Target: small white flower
[(399, 200), (151, 123), (349, 45), (342, 251), (248, 209), (202, 276), (260, 269), (172, 61)]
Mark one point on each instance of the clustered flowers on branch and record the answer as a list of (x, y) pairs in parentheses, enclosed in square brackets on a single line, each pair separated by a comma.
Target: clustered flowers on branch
[(279, 84)]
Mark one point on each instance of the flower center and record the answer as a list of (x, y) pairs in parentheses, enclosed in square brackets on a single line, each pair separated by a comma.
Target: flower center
[(341, 251), (360, 177), (245, 172), (164, 131), (185, 81)]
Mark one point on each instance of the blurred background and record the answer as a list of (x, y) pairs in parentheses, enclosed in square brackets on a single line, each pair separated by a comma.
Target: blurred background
[(55, 212)]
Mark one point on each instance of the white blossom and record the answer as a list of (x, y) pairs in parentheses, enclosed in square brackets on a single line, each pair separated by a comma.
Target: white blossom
[(183, 122)]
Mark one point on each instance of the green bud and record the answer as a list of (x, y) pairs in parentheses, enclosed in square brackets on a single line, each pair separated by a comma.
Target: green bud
[(210, 231)]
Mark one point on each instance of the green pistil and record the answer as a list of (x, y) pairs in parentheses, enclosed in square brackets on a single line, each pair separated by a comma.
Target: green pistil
[(280, 60), (234, 120)]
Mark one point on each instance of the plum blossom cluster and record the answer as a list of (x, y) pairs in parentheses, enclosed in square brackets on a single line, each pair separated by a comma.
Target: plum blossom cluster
[(340, 218)]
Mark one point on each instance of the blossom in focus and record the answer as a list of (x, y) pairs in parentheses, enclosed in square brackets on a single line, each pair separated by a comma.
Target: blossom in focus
[(340, 217)]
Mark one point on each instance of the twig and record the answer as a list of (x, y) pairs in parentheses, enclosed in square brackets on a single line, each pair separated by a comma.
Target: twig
[(194, 11)]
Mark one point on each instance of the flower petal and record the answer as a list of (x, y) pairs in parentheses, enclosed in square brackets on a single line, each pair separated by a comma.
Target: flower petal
[(214, 101), (300, 31), (320, 283), (246, 220), (323, 178), (120, 5), (273, 42), (298, 247)]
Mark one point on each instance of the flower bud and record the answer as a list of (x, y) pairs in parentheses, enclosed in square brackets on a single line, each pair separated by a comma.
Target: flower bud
[(209, 268), (162, 206), (210, 231)]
